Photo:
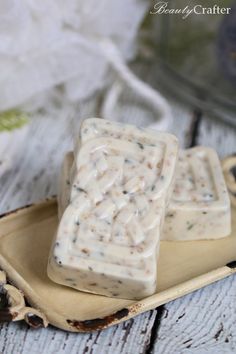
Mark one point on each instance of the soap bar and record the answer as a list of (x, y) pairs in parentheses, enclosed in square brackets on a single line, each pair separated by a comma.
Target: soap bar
[(65, 182), (64, 185), (108, 237), (200, 206)]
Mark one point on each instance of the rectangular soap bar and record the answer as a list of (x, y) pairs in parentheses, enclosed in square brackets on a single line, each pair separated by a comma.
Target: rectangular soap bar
[(200, 205), (108, 238)]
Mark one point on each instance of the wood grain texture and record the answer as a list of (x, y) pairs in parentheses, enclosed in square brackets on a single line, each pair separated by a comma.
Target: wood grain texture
[(204, 321), (129, 337)]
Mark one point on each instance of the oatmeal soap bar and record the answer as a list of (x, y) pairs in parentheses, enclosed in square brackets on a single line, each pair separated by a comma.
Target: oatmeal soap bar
[(108, 237), (200, 205)]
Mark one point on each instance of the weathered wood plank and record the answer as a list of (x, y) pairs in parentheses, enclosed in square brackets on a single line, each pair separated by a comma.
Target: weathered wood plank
[(205, 321), (31, 156), (124, 338)]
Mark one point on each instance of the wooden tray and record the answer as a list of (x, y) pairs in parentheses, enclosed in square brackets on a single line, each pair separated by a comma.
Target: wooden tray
[(25, 238)]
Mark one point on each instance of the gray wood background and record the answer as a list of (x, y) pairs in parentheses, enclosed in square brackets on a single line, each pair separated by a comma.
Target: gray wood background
[(202, 322)]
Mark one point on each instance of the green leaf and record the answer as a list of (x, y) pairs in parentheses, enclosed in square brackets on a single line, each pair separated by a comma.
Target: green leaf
[(12, 119)]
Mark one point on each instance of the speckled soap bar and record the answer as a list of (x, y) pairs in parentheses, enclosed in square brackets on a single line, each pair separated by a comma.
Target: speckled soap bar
[(108, 238), (200, 205)]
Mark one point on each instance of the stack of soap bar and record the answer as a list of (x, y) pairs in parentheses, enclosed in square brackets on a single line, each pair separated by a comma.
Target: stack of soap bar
[(200, 205), (108, 238)]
